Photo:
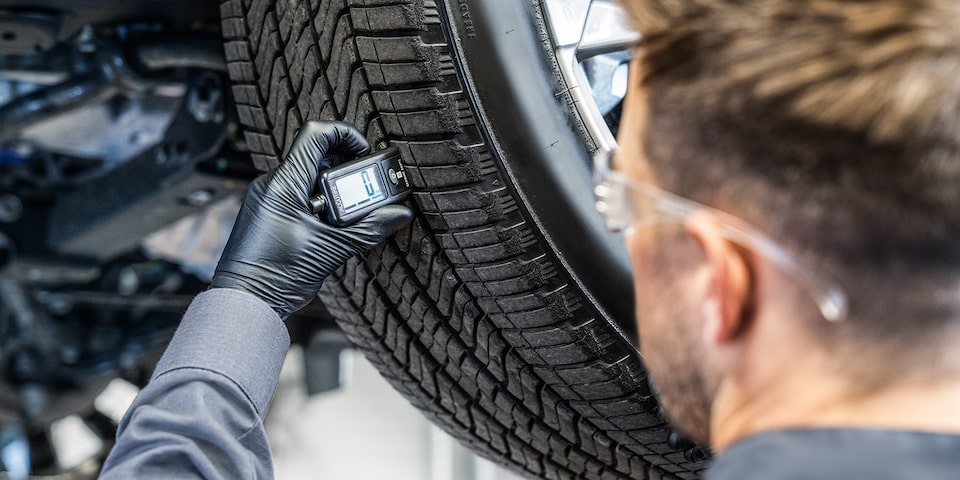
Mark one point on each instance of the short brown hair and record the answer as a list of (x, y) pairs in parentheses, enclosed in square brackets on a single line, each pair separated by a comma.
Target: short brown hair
[(833, 125)]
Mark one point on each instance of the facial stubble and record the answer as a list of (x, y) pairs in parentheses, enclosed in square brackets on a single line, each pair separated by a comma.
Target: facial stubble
[(670, 342)]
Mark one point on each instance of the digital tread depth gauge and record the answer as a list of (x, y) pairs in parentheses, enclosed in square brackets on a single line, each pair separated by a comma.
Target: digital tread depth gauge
[(351, 190)]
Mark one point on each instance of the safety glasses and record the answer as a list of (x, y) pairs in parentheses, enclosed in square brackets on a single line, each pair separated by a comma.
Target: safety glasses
[(627, 204)]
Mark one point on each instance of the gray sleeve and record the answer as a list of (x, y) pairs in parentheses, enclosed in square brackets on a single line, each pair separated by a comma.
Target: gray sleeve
[(201, 415)]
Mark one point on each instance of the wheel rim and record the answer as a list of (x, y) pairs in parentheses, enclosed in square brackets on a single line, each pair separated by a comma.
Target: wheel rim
[(593, 46)]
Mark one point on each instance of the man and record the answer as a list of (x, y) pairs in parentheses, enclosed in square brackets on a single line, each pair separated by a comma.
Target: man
[(816, 334), (811, 328)]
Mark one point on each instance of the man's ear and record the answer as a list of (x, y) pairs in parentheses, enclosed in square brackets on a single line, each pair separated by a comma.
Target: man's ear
[(729, 282)]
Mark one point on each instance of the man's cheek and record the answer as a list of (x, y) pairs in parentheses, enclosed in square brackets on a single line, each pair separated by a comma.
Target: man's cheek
[(651, 312), (655, 303)]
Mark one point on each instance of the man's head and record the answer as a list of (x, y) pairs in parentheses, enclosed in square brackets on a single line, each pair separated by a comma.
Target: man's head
[(831, 126)]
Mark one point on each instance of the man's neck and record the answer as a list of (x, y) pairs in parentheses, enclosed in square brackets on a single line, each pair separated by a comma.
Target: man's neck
[(818, 400)]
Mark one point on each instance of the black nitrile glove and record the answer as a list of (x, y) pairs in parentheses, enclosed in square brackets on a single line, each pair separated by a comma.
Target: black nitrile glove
[(278, 250)]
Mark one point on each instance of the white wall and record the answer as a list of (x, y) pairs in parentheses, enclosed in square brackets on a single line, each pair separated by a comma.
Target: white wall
[(365, 430)]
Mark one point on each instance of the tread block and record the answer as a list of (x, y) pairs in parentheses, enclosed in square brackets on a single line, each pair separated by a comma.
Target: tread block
[(398, 49), (231, 9), (539, 317), (491, 253), (506, 270), (480, 237), (439, 153), (359, 107), (400, 101), (237, 51), (456, 242), (560, 335), (256, 17), (461, 220), (511, 286), (463, 199), (443, 176), (630, 406), (327, 22), (385, 74), (242, 71), (392, 17), (246, 95), (421, 123), (253, 116), (536, 300), (612, 389), (268, 49), (637, 420)]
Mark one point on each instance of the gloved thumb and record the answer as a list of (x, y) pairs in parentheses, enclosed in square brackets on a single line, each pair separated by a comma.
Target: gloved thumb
[(381, 223)]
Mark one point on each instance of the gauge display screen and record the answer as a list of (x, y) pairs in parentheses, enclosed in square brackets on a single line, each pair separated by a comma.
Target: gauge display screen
[(359, 189)]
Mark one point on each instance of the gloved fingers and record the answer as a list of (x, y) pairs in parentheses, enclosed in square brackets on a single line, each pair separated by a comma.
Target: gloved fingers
[(349, 144), (380, 224), (312, 149)]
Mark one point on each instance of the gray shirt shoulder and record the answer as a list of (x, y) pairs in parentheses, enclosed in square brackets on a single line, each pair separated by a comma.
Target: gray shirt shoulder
[(843, 453)]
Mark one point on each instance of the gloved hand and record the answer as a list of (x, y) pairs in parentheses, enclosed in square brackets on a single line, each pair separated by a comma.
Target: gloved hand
[(278, 250)]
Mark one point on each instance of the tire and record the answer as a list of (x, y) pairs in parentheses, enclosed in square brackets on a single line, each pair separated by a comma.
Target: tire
[(494, 312)]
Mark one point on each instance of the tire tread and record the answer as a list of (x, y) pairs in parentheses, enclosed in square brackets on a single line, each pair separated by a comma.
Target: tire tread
[(463, 312)]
